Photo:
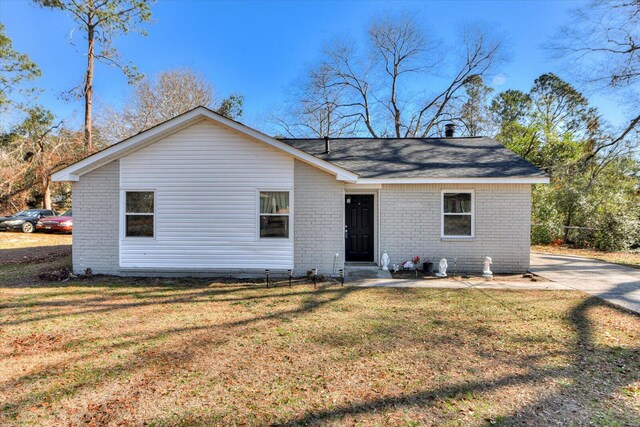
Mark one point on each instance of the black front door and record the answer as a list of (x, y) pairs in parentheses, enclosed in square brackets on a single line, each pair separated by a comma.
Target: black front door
[(359, 228)]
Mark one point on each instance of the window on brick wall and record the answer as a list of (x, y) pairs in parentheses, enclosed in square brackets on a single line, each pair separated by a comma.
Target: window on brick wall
[(139, 213), (274, 214), (458, 214)]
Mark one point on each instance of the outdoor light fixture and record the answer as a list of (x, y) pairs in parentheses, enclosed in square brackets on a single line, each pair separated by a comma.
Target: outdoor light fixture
[(290, 276), (267, 273), (314, 273), (341, 276)]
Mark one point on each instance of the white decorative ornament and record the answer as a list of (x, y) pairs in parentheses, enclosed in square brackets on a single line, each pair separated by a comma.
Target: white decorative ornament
[(396, 268), (385, 261), (486, 267), (409, 265), (442, 268)]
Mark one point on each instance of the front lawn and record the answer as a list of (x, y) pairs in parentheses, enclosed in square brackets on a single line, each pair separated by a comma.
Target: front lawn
[(162, 352), (20, 248)]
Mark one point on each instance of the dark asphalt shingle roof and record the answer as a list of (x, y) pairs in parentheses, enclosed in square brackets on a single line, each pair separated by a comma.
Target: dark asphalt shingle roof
[(479, 157)]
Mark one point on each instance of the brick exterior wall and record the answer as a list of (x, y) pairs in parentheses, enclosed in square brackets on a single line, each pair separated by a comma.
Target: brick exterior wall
[(95, 220), (411, 220), (318, 220)]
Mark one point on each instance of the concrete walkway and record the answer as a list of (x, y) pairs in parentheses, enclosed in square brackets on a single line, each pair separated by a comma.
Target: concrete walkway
[(615, 283), (450, 283)]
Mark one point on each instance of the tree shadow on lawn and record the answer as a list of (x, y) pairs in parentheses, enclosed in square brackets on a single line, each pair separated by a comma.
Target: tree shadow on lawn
[(590, 363), (190, 294), (139, 361), (607, 368)]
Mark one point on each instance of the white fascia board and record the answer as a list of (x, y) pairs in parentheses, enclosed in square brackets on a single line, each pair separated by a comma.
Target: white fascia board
[(73, 172), (358, 186), (505, 180)]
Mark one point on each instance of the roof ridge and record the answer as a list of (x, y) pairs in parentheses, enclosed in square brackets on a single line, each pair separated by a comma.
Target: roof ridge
[(385, 138)]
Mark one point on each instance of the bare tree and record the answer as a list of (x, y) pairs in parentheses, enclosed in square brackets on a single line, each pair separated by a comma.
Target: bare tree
[(603, 43), (154, 101), (481, 51), (400, 44), (315, 109), (352, 73), (382, 86), (101, 21)]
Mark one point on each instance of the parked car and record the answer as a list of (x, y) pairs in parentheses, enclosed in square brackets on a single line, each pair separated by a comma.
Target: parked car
[(25, 220), (62, 223)]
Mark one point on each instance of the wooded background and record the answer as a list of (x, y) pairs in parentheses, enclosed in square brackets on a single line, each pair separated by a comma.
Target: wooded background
[(361, 89)]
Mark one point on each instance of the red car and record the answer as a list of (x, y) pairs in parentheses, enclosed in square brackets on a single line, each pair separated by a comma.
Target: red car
[(63, 223)]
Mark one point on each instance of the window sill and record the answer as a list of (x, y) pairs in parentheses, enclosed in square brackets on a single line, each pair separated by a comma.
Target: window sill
[(136, 238), (457, 239)]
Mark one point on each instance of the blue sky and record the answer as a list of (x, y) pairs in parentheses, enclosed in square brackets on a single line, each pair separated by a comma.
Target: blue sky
[(257, 48)]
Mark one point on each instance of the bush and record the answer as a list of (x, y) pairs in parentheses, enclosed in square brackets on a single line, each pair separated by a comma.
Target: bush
[(543, 234), (615, 233)]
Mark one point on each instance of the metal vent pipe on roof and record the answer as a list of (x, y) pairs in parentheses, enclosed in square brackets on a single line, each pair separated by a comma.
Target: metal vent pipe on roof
[(327, 147), (449, 130)]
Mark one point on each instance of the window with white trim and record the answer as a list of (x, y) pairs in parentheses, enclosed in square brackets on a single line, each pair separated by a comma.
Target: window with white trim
[(274, 214), (457, 214), (139, 213)]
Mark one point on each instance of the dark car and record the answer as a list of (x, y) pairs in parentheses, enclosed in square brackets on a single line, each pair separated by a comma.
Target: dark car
[(63, 223), (25, 220)]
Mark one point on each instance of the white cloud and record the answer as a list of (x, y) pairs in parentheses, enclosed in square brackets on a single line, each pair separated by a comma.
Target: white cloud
[(499, 79)]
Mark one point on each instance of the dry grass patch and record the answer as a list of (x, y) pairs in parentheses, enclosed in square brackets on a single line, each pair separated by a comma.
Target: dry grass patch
[(191, 352), (21, 248), (629, 258)]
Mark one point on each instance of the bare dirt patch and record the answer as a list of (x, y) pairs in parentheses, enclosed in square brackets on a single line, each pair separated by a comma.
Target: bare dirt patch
[(34, 343)]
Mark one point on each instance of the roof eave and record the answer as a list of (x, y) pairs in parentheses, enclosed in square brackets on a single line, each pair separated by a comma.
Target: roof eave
[(453, 180)]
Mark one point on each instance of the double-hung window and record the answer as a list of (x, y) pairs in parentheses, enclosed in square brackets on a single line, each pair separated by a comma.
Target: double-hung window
[(457, 214), (139, 213), (274, 214)]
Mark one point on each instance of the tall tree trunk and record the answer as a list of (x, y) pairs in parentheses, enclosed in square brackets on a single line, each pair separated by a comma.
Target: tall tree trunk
[(567, 224), (397, 121), (46, 192), (88, 90), (46, 198)]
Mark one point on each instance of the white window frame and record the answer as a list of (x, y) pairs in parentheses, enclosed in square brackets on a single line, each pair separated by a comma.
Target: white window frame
[(259, 214), (123, 213), (472, 214)]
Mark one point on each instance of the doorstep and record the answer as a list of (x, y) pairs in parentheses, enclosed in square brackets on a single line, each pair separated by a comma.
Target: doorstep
[(354, 271)]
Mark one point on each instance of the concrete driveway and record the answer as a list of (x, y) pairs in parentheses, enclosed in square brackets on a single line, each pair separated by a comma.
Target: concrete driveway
[(615, 283)]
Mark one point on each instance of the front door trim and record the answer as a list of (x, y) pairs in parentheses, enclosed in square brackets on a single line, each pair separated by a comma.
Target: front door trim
[(360, 227)]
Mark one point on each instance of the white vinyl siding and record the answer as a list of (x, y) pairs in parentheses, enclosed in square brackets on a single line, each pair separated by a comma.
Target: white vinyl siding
[(205, 179)]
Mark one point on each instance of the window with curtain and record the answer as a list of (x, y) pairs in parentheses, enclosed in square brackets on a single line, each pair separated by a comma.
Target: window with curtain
[(457, 214), (139, 213), (274, 214)]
